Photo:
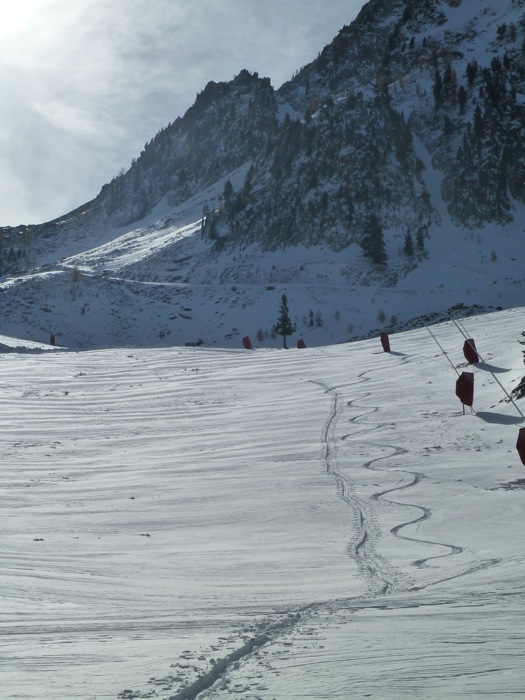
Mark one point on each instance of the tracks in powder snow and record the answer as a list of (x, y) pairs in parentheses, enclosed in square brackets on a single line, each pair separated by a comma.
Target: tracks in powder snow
[(381, 577)]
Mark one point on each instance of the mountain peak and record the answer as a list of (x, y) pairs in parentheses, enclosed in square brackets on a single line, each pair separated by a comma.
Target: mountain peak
[(397, 149)]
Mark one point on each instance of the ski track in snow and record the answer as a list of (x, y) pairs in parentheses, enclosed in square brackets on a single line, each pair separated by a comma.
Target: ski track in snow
[(381, 577), (426, 512), (361, 548)]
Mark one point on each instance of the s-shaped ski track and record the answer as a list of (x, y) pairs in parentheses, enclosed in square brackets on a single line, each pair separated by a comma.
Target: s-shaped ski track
[(380, 576)]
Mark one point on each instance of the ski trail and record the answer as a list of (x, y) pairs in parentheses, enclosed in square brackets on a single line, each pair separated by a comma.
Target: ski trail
[(361, 549), (397, 451), (380, 576), (426, 513), (221, 666)]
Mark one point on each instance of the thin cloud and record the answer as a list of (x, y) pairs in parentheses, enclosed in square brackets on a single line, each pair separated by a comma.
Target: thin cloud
[(86, 84)]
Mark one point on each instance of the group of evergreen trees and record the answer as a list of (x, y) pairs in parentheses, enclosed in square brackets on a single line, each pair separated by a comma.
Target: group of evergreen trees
[(319, 176), (484, 116), (11, 260)]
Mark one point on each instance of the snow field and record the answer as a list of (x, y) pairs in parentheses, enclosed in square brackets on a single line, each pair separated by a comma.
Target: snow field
[(163, 507)]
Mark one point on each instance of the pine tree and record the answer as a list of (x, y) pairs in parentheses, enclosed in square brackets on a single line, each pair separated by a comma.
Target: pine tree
[(227, 191), (448, 126), (248, 184), (408, 248), (284, 325), (478, 123), (372, 241), (75, 274), (472, 69), (437, 89), (227, 195), (462, 99)]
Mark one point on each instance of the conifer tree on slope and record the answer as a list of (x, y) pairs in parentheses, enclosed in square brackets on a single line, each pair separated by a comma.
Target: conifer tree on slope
[(284, 325), (372, 241), (408, 248)]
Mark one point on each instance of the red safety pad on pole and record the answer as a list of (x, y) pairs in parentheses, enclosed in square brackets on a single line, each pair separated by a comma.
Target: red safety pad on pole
[(520, 445), (470, 352), (465, 388)]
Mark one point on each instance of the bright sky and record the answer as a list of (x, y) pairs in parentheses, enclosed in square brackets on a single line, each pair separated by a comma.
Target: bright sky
[(85, 84)]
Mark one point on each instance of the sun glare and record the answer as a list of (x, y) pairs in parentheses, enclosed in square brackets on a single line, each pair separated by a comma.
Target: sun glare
[(15, 16)]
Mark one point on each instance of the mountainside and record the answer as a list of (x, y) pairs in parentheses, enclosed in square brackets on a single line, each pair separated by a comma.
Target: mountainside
[(386, 180)]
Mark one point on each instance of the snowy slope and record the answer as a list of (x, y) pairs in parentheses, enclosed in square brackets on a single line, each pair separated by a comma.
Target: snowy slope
[(156, 285), (266, 524)]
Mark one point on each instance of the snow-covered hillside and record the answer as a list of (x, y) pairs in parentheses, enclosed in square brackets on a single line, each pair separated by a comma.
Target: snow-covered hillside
[(263, 524), (414, 114), (156, 284)]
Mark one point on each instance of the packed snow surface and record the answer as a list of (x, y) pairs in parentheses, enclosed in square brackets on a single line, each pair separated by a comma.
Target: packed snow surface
[(321, 523)]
